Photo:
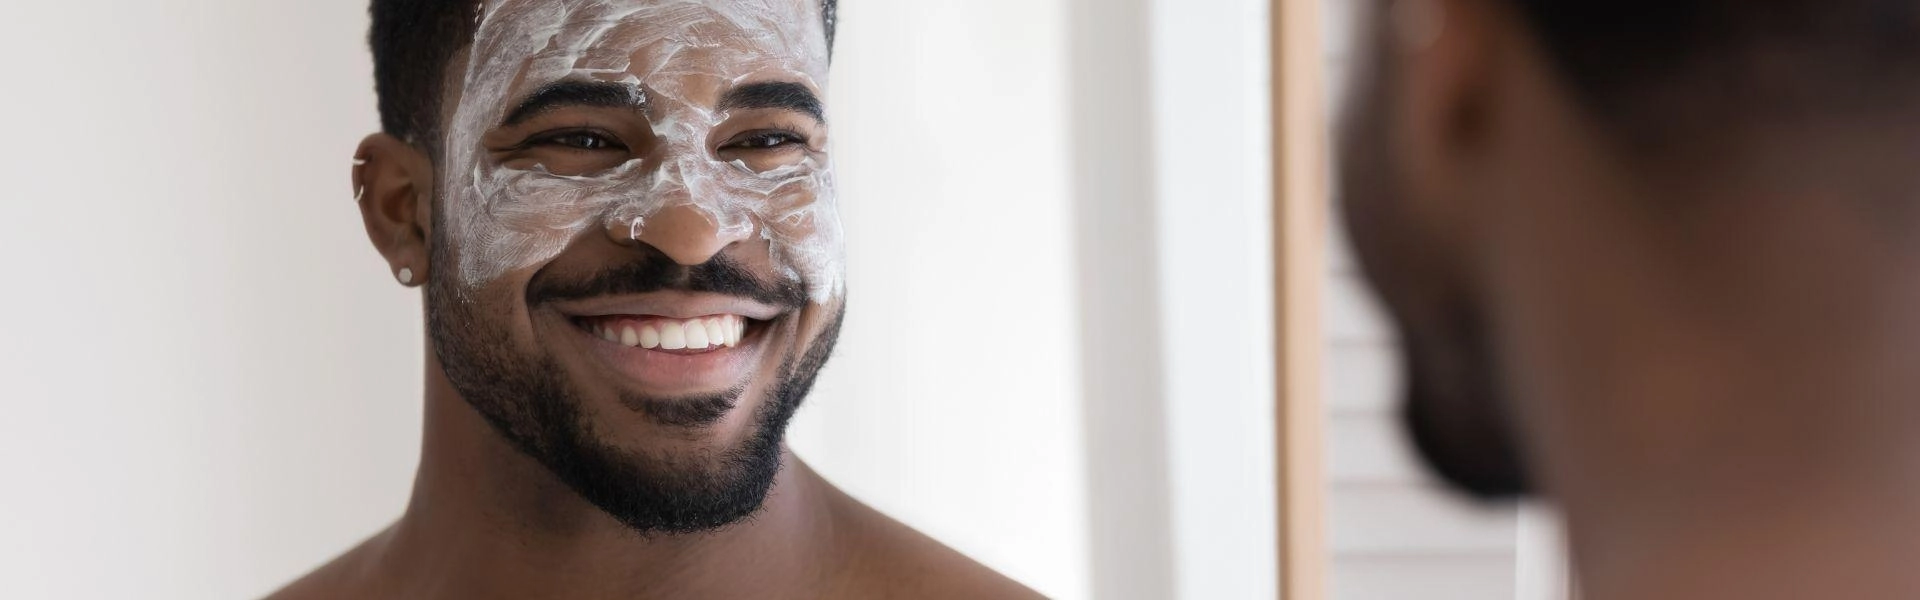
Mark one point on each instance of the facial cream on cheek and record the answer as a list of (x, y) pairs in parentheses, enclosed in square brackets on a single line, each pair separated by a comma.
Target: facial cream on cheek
[(678, 52)]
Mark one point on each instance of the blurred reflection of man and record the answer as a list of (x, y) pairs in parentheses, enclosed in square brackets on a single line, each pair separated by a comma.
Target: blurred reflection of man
[(1660, 262), (622, 214)]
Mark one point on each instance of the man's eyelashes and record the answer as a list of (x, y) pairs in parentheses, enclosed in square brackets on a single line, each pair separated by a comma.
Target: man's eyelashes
[(765, 140), (597, 141), (590, 141)]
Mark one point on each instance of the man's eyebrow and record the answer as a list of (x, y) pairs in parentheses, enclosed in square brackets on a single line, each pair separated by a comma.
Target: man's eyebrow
[(783, 95), (599, 94)]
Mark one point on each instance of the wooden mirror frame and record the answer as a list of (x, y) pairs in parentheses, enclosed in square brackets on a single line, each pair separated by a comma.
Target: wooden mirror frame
[(1299, 245)]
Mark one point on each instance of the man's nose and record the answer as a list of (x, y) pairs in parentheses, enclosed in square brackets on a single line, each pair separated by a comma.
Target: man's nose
[(685, 233)]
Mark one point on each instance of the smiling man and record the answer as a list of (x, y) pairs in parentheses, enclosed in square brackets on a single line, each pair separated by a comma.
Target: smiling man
[(622, 213)]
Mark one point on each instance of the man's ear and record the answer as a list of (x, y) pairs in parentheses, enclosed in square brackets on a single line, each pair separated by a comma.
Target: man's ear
[(1449, 77), (393, 182)]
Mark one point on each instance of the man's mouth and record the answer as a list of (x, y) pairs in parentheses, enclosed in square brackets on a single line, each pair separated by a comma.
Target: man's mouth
[(672, 343), (680, 336)]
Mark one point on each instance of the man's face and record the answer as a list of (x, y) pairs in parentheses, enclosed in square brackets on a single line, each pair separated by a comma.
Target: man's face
[(636, 248), (1454, 407)]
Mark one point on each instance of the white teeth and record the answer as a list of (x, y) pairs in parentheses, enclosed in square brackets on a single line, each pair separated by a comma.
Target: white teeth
[(696, 334), (692, 334), (672, 335)]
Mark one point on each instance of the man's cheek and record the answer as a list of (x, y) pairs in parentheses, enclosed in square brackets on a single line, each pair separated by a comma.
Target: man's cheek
[(809, 244), (524, 218)]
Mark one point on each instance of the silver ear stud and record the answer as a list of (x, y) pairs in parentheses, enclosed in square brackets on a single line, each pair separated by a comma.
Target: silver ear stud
[(405, 276), (359, 191)]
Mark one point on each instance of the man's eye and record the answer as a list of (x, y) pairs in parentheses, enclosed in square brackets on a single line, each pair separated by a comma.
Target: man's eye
[(767, 140), (579, 140)]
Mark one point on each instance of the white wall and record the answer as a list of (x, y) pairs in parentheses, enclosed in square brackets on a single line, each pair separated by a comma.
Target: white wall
[(1212, 117), (953, 402), (209, 379), (1170, 167)]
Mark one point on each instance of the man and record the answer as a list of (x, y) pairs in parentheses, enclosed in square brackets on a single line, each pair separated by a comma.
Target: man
[(622, 214), (1659, 261)]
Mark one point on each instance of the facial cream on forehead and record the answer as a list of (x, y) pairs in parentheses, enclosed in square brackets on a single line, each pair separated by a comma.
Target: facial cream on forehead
[(682, 55)]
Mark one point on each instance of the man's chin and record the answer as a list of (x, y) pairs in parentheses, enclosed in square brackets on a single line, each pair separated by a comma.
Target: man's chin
[(1458, 419), (670, 490), (1484, 466)]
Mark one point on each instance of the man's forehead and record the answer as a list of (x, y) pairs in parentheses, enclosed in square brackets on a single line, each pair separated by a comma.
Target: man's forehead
[(642, 37)]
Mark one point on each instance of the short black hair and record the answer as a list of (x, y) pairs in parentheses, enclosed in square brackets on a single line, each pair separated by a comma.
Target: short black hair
[(412, 42), (1665, 63)]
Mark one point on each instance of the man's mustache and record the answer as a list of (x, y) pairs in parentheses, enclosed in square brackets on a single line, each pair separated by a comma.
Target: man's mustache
[(721, 276)]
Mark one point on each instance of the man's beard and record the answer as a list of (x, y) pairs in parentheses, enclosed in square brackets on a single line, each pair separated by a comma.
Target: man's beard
[(1456, 413), (1454, 407), (528, 400)]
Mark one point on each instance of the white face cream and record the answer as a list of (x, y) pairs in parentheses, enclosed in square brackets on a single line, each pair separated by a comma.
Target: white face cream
[(677, 58)]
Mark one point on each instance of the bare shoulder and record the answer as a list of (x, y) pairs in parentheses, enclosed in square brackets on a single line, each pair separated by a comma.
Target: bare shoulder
[(891, 560), (346, 576)]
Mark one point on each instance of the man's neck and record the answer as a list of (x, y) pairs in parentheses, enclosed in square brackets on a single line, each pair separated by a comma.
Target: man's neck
[(1736, 425), (486, 520), (1761, 506)]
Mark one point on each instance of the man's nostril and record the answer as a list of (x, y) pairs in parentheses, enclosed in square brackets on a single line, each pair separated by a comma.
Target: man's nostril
[(624, 232), (685, 233)]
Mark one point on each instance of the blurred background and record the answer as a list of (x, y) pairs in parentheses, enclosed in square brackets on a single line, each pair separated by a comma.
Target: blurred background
[(1058, 357)]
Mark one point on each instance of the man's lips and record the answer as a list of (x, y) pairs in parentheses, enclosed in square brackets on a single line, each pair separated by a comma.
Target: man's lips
[(668, 305)]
